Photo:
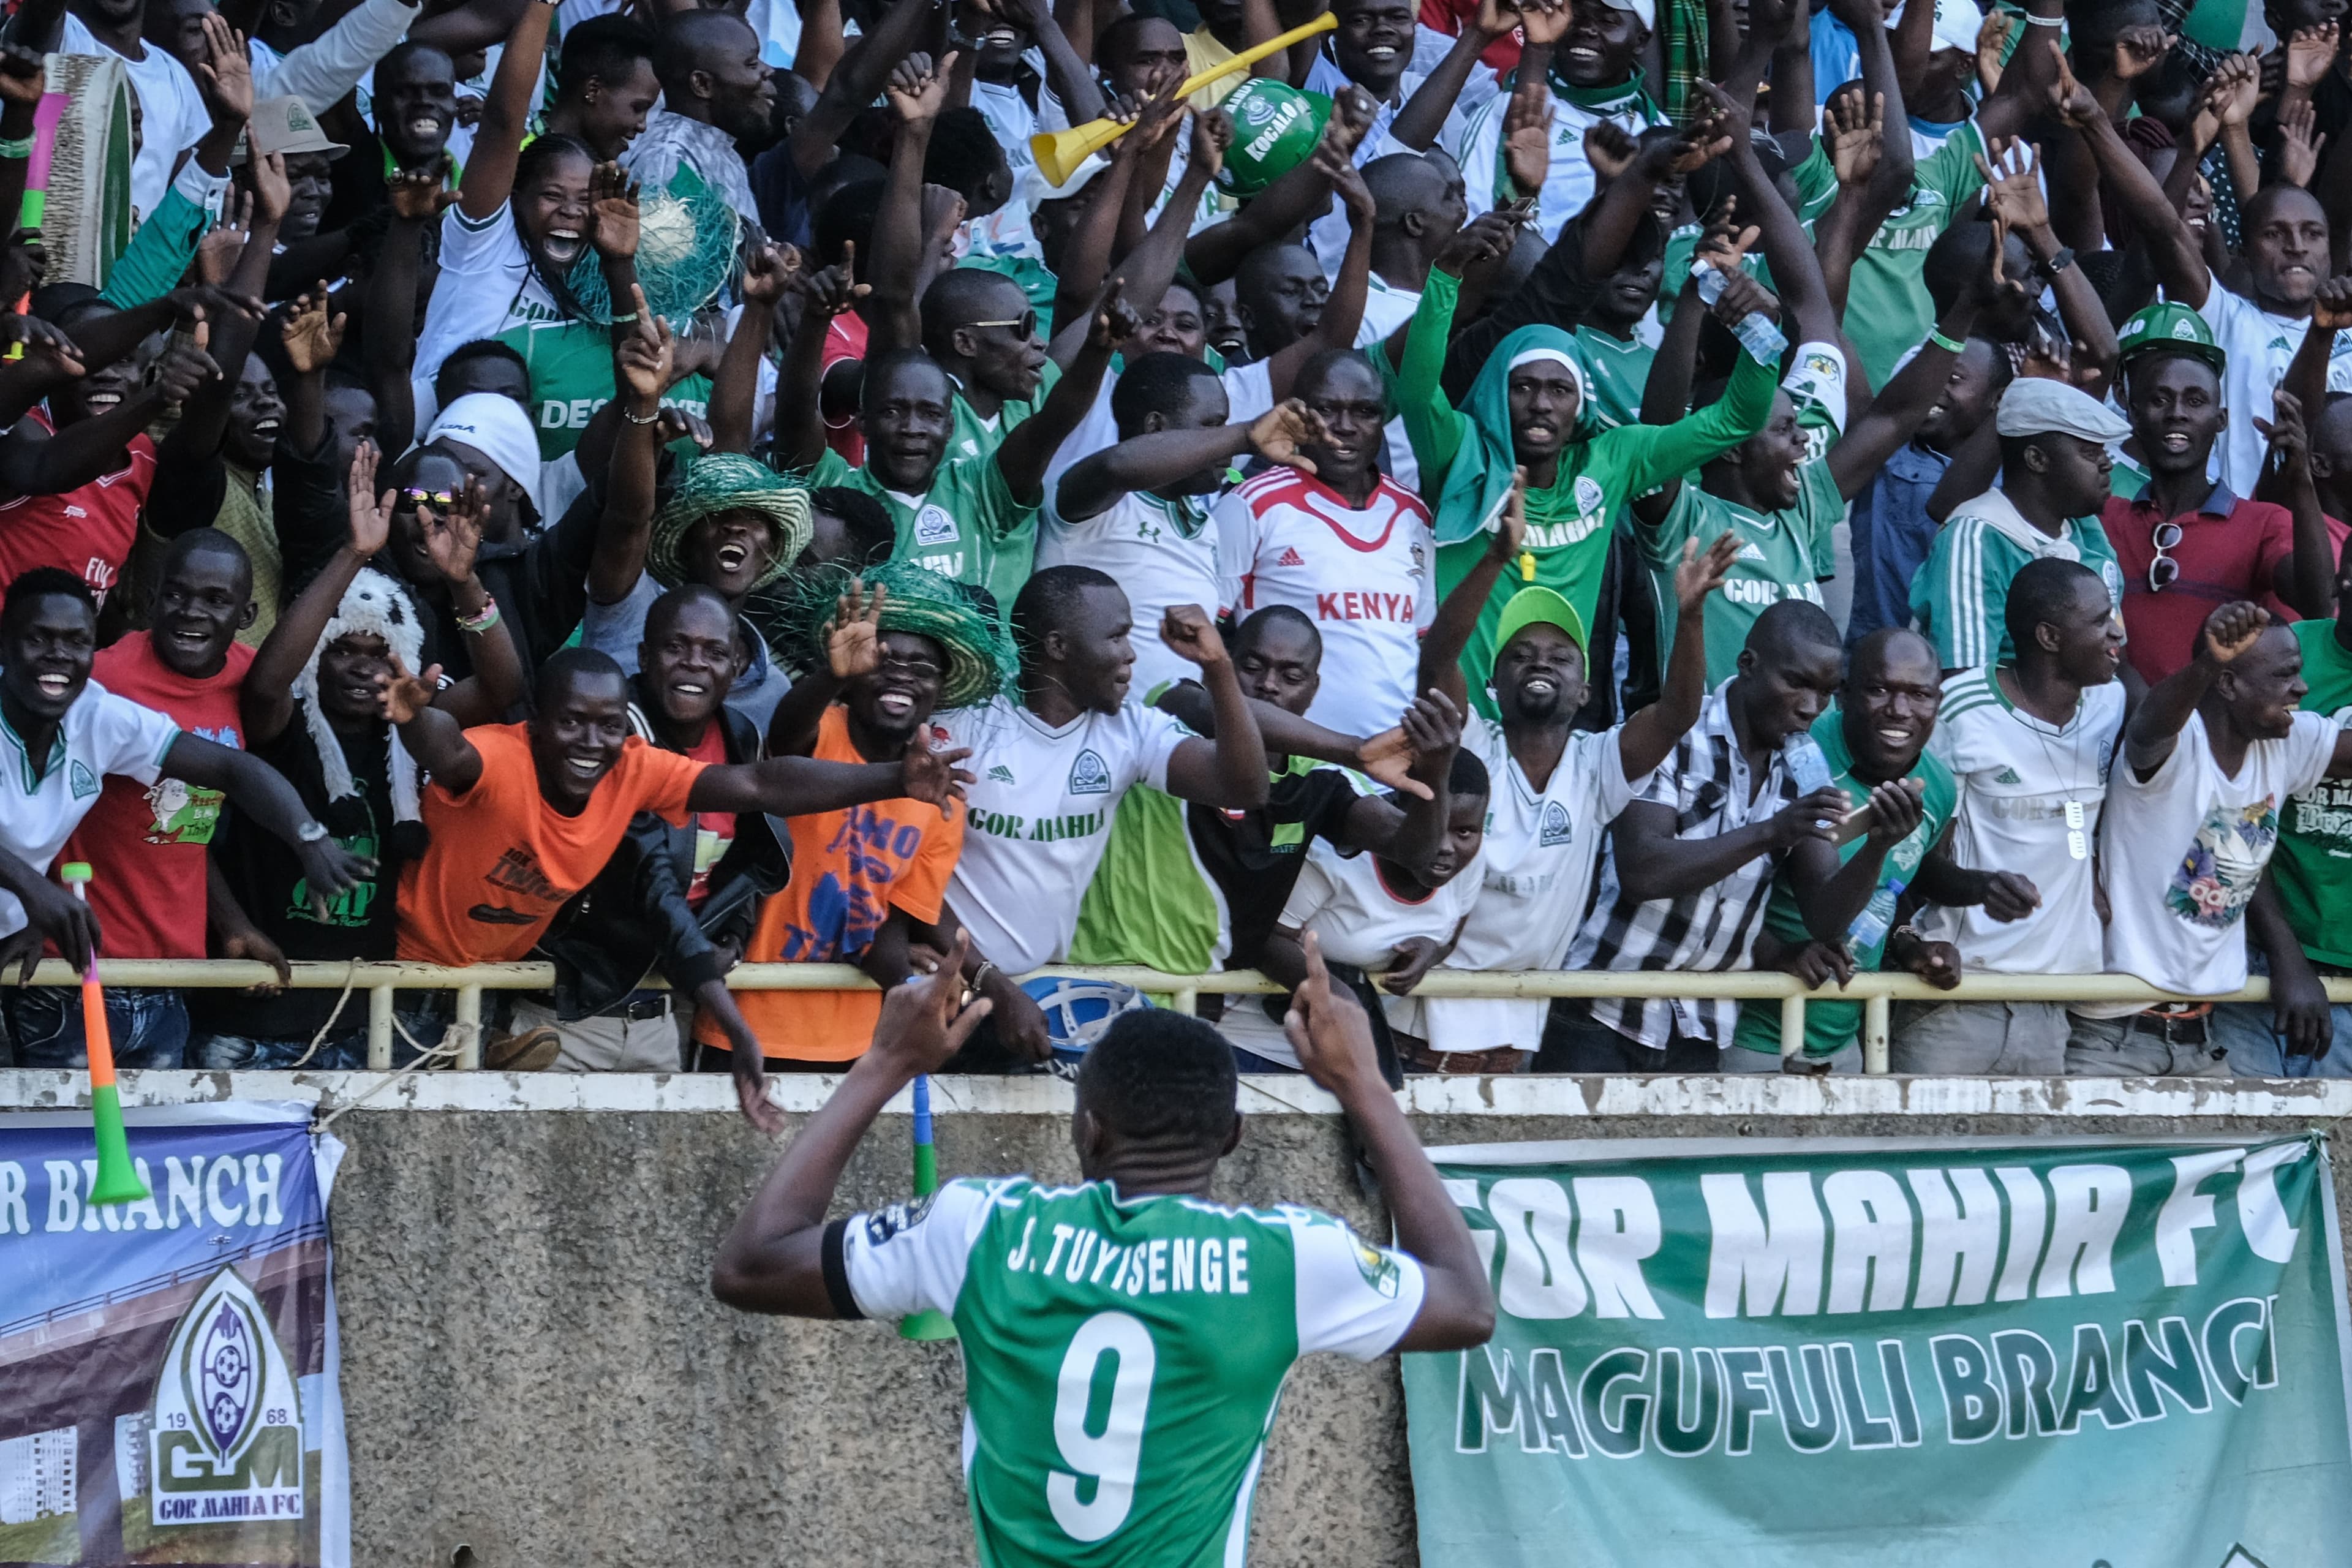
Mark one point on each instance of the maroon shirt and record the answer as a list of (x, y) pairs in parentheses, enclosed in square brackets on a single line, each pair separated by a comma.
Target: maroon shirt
[(2230, 549)]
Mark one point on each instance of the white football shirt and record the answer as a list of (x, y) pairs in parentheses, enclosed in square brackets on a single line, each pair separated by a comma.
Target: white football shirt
[(1164, 553), (1038, 815), (102, 734), (1362, 576), (2016, 776)]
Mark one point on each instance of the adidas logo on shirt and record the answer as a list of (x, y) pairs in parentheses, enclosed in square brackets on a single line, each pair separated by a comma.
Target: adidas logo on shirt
[(1000, 773), (2007, 775), (1290, 557)]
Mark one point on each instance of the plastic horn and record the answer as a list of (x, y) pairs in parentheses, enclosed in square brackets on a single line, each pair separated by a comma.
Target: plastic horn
[(1058, 152), (925, 1324), (118, 1179)]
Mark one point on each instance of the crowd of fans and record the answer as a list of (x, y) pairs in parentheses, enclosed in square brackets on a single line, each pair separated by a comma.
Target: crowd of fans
[(1589, 486)]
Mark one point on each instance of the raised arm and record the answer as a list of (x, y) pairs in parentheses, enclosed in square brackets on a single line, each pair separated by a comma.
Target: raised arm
[(1026, 450), (2179, 261), (1787, 248), (266, 698), (35, 464), (800, 396), (1450, 629), (856, 83), (1417, 124), (798, 786), (388, 323), (1230, 771), (2155, 726), (1650, 736), (1090, 486), (489, 173), (1333, 1040), (2306, 579), (1297, 198), (773, 1260), (852, 648), (641, 367), (2027, 79), (917, 92), (768, 271)]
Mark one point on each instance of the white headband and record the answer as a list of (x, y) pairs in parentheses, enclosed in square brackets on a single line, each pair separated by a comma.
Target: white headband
[(1545, 356)]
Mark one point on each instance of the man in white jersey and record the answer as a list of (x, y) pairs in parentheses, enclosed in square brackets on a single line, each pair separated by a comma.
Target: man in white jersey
[(1049, 770), (2211, 756), (2029, 744), (1199, 1307), (1140, 510), (1343, 544), (1555, 789)]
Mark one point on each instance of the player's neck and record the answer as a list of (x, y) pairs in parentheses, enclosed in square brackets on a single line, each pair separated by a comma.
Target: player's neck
[(2223, 737), (2039, 688), (1146, 1174), (38, 735)]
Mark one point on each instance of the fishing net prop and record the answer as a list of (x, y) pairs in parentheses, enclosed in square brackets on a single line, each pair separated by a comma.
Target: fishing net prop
[(687, 239), (719, 482)]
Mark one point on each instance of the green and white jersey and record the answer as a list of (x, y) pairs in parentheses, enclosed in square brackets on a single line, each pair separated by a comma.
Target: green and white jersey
[(1960, 594), (1615, 372), (1122, 1356), (970, 435), (2315, 846), (967, 526), (1888, 310), (1782, 555)]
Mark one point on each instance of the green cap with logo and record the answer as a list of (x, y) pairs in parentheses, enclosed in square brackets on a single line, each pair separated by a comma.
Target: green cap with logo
[(2173, 328), (1275, 128), (1535, 606)]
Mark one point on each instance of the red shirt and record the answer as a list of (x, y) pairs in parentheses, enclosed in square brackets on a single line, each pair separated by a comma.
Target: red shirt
[(89, 531), (844, 339), (1449, 15), (2230, 549), (714, 831), (148, 843)]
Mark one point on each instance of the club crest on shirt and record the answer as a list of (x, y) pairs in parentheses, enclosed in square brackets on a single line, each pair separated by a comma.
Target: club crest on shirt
[(935, 525), (1089, 774), (1420, 561), (81, 781), (1588, 494), (1380, 1271), (884, 1224), (1557, 827)]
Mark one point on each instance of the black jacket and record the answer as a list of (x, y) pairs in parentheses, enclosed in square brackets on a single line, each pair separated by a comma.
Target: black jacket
[(634, 919)]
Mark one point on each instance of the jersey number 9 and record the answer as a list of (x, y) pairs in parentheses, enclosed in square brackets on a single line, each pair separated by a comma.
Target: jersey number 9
[(1111, 1455)]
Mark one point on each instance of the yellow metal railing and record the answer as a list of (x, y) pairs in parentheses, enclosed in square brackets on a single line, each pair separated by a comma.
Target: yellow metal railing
[(1876, 993)]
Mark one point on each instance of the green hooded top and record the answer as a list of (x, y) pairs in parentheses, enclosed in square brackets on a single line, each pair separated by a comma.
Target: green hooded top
[(1466, 460)]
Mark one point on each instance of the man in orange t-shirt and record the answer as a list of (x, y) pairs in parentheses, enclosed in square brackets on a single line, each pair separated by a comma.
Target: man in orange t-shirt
[(521, 816), (869, 882)]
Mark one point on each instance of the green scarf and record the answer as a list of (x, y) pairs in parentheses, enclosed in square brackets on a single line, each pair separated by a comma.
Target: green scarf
[(1479, 481), (1604, 100)]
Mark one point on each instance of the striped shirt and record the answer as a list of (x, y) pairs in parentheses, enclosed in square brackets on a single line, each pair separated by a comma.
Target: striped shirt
[(1959, 597), (1706, 785)]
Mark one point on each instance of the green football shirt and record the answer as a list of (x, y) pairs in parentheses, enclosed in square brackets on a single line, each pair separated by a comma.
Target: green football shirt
[(1122, 1356), (1615, 372), (1888, 310), (570, 367), (970, 435), (1960, 593), (1829, 1027), (967, 526), (1782, 555), (2313, 862)]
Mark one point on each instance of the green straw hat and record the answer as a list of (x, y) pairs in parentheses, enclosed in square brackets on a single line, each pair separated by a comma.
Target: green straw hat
[(687, 239), (728, 481), (916, 600)]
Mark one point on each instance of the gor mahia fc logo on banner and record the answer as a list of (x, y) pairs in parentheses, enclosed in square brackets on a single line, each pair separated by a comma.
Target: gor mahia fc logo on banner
[(227, 1434)]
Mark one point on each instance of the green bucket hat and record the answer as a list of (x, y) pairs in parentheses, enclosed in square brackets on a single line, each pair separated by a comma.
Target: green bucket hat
[(916, 600), (2173, 328), (728, 481), (1535, 606), (1275, 128)]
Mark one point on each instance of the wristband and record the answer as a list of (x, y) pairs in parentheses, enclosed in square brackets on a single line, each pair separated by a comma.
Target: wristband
[(476, 626), (17, 147), (624, 321), (1936, 336), (2034, 21), (651, 418), (310, 832), (2060, 259), (980, 977)]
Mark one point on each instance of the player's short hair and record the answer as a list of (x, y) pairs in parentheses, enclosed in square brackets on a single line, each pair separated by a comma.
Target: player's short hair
[(43, 582), (1468, 775), (868, 519), (1157, 382), (1877, 650), (1255, 625), (690, 41), (602, 49), (467, 354), (964, 153), (663, 613), (958, 296), (2041, 592), (884, 368), (206, 541), (399, 54), (1791, 626), (1049, 601), (568, 666), (1160, 1076), (1322, 366)]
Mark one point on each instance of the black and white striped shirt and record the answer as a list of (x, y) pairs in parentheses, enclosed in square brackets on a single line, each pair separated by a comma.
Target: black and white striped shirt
[(1706, 783)]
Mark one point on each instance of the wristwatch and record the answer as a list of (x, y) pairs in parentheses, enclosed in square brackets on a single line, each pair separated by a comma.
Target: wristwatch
[(2060, 259)]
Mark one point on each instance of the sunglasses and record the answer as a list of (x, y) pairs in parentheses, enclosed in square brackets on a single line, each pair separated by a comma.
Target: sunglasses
[(1025, 323), (410, 500), (2163, 571)]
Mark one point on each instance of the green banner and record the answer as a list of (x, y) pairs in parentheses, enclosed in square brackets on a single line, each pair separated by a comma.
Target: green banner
[(2074, 1352)]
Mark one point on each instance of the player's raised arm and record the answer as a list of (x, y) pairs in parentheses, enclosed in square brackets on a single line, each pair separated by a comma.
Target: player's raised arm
[(1334, 1042), (773, 1260)]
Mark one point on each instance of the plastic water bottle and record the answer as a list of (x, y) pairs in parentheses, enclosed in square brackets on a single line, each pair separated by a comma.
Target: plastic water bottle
[(1755, 331), (1870, 927), (1807, 763)]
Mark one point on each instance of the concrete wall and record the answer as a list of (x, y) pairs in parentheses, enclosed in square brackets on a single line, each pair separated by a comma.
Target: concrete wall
[(533, 1368)]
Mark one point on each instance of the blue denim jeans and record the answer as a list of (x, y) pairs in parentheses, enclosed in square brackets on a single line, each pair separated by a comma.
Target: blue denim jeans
[(2258, 1050), (148, 1026)]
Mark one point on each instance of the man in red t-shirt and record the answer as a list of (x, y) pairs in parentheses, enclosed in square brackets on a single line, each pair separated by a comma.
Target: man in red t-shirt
[(2188, 546), (148, 841), (75, 476)]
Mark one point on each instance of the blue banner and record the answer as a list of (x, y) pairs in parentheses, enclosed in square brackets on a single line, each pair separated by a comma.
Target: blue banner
[(168, 1384)]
